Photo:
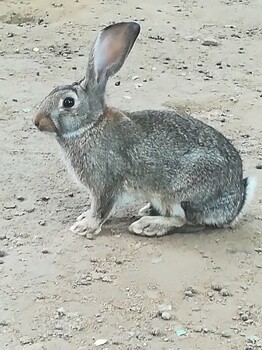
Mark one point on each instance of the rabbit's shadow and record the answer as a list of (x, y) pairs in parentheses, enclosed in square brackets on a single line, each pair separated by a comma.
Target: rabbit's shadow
[(120, 224)]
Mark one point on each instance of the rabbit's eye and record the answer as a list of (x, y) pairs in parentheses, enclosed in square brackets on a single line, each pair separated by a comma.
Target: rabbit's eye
[(68, 102)]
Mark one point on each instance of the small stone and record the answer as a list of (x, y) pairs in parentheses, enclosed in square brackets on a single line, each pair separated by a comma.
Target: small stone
[(164, 307), (26, 110), (58, 326), (166, 316), (258, 250), (189, 293), (61, 312), (259, 166), (2, 253), (10, 206), (118, 262), (135, 77), (225, 335), (2, 236), (156, 332), (198, 329), (45, 199), (26, 340), (45, 251), (180, 332), (196, 309), (224, 292), (117, 83), (244, 317), (100, 342), (210, 42), (20, 198), (42, 222), (216, 287), (253, 339), (35, 49), (10, 35)]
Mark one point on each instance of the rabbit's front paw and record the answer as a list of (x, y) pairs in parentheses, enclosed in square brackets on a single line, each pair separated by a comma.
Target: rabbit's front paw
[(86, 225)]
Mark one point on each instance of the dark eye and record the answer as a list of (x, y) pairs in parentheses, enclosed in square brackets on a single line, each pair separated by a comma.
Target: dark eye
[(68, 102)]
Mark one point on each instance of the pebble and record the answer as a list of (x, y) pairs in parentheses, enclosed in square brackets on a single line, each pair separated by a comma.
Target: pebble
[(244, 317), (155, 332), (25, 340), (166, 316), (259, 166), (2, 236), (164, 307), (10, 206), (58, 326), (225, 335), (216, 287), (45, 199), (61, 312), (100, 342), (42, 222), (180, 332), (252, 339), (89, 236), (2, 253), (189, 293), (210, 42), (224, 292)]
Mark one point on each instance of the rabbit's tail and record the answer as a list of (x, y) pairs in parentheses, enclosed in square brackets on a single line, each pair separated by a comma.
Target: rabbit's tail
[(249, 191)]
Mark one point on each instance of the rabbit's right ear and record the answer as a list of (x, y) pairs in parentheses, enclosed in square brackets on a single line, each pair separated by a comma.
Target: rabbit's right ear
[(108, 54)]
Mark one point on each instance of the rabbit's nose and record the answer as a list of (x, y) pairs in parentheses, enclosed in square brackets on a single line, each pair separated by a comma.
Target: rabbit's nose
[(44, 123)]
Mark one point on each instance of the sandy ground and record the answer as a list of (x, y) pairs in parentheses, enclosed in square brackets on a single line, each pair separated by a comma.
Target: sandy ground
[(60, 291)]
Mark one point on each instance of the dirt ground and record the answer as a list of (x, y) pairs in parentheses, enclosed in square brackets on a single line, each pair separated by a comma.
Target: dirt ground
[(187, 291)]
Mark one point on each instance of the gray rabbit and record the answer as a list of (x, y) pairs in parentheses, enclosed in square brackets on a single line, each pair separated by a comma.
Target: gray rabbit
[(190, 174)]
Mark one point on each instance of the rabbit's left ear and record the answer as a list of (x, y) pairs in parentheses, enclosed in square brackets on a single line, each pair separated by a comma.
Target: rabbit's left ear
[(109, 52)]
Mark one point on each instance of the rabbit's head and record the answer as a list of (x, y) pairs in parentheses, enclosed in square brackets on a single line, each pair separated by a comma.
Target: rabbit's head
[(69, 109)]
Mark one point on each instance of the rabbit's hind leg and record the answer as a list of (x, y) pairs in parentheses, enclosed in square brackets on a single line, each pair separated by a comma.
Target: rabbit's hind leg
[(159, 225), (221, 212)]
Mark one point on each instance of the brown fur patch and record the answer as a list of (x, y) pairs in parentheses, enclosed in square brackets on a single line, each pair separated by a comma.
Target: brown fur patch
[(44, 123), (114, 114)]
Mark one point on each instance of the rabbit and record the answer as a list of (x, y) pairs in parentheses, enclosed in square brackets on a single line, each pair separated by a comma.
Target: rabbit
[(187, 172)]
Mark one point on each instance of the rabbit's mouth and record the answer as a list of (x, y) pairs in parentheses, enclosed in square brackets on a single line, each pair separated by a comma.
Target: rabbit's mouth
[(44, 123)]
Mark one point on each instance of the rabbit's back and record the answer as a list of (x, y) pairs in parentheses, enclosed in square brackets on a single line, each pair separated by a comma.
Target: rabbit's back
[(174, 152)]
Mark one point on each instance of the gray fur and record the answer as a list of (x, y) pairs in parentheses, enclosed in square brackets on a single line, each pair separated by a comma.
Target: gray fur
[(158, 156)]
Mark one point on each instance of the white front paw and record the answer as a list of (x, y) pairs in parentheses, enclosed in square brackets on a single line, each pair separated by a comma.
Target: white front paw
[(86, 225)]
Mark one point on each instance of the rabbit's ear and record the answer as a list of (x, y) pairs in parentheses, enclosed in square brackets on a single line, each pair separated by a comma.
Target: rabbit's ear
[(109, 52)]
